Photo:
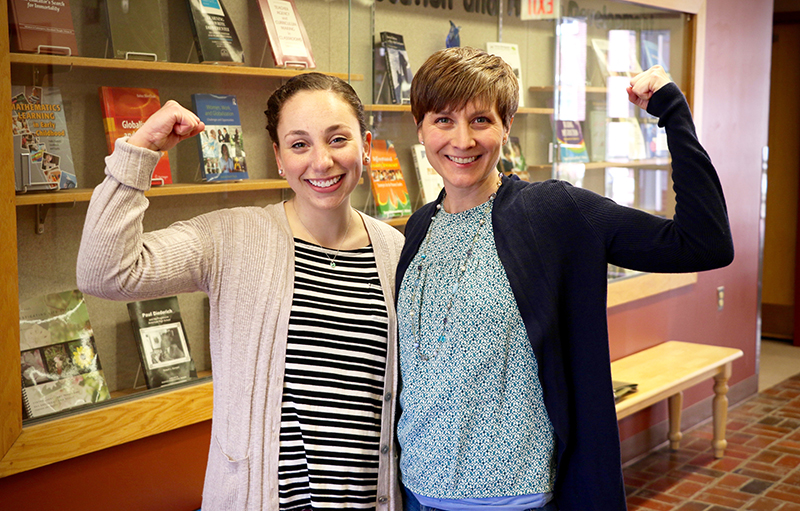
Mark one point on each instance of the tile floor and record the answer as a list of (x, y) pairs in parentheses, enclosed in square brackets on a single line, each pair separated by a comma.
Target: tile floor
[(760, 470)]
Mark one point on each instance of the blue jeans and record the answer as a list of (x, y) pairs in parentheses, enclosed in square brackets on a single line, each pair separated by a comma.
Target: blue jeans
[(410, 503)]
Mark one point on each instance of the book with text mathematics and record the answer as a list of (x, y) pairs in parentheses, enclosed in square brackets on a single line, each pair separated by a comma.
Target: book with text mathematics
[(161, 341), (42, 26), (59, 361), (125, 109), (214, 34), (42, 152), (287, 35), (221, 143)]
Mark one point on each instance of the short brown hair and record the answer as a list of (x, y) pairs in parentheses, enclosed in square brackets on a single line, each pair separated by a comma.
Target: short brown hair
[(311, 82), (453, 77)]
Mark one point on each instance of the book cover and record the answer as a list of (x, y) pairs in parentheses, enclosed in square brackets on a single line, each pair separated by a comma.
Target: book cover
[(509, 52), (655, 140), (136, 30), (42, 27), (388, 185), (59, 362), (161, 341), (654, 47), (214, 34), (571, 145), (596, 131), (430, 182), (622, 389), (42, 152), (398, 68), (221, 144), (624, 140), (125, 109), (287, 35)]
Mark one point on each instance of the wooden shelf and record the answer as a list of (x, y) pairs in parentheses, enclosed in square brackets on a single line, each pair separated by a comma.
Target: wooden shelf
[(167, 67), (407, 108), (84, 194), (398, 221), (94, 429), (654, 162)]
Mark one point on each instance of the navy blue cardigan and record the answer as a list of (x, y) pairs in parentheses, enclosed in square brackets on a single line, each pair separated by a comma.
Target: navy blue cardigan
[(555, 242)]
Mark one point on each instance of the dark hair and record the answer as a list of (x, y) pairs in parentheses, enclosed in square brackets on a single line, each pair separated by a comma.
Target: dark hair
[(311, 82), (453, 77)]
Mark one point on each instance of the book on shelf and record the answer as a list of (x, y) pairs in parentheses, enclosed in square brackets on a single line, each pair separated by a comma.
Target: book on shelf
[(161, 341), (397, 67), (388, 185), (42, 27), (221, 143), (620, 185), (42, 152), (509, 52), (287, 35), (654, 47), (136, 30), (430, 182), (655, 140), (571, 144), (125, 109), (624, 140), (60, 365), (214, 34), (596, 131), (512, 160)]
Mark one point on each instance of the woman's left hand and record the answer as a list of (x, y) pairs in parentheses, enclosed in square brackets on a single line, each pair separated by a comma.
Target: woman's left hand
[(645, 84)]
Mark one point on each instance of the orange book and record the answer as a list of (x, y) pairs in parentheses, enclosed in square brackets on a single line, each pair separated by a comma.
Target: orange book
[(125, 109), (388, 185)]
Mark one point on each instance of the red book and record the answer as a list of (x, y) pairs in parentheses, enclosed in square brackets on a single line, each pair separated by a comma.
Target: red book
[(124, 110), (42, 27)]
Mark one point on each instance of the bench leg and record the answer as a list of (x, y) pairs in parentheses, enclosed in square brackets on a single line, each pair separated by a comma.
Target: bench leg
[(720, 410), (675, 406)]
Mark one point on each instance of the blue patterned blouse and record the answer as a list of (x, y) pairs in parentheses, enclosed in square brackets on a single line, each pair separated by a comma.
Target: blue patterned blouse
[(474, 424)]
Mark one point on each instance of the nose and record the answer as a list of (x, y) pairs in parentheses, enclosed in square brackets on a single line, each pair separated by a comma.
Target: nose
[(462, 137), (322, 159)]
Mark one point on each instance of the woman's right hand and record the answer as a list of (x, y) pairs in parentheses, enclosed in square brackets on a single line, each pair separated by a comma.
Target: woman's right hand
[(168, 126)]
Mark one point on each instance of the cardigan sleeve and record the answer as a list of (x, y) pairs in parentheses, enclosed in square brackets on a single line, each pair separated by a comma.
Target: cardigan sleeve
[(698, 237), (116, 260)]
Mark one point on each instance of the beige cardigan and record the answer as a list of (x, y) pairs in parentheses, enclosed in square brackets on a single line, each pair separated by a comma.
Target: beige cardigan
[(243, 258)]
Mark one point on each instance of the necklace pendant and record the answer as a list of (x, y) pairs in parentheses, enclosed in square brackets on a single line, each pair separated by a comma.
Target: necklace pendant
[(333, 264)]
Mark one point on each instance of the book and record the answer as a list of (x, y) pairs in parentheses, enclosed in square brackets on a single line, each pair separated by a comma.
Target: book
[(571, 145), (398, 68), (60, 365), (430, 182), (161, 341), (596, 131), (655, 140), (622, 389), (136, 30), (221, 143), (512, 160), (125, 109), (509, 52), (654, 48), (214, 34), (287, 35), (42, 152), (624, 140), (388, 185), (42, 27)]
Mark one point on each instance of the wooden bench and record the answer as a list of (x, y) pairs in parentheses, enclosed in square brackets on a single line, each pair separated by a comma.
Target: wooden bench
[(665, 371)]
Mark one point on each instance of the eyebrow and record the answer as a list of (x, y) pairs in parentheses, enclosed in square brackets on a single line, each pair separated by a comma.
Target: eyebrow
[(329, 129)]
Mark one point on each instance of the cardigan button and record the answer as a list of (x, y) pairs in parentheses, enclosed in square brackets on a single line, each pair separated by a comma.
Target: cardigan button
[(383, 499), (388, 396), (385, 449)]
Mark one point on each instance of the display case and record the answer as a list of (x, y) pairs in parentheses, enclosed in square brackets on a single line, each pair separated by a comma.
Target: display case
[(41, 231)]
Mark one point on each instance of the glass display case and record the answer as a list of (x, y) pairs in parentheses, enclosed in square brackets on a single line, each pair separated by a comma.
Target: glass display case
[(570, 62)]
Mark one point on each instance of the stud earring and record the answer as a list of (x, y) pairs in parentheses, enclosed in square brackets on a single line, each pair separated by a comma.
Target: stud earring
[(280, 172), (366, 159)]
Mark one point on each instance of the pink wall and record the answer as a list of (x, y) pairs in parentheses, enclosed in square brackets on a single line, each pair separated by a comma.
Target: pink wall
[(735, 127)]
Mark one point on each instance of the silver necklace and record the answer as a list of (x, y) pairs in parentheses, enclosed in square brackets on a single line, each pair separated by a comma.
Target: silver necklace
[(419, 283), (332, 261)]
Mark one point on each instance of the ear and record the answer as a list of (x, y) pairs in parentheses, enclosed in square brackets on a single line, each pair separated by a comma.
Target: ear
[(277, 155), (508, 131), (367, 147)]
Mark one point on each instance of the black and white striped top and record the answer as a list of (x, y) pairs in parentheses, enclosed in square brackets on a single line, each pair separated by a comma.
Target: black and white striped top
[(335, 363)]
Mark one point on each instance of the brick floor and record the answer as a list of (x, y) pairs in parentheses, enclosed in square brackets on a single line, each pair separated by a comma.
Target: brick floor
[(760, 470)]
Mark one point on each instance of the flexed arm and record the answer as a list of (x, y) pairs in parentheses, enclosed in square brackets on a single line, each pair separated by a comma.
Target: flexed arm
[(116, 259)]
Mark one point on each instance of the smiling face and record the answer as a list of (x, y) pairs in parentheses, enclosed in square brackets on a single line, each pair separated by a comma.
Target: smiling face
[(464, 147), (320, 149)]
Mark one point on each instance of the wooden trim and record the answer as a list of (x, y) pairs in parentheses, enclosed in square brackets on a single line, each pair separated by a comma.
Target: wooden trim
[(648, 284), (687, 6), (106, 426), (10, 389), (169, 67)]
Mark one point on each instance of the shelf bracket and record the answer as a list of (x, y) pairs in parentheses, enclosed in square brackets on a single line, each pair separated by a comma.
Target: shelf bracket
[(41, 216)]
